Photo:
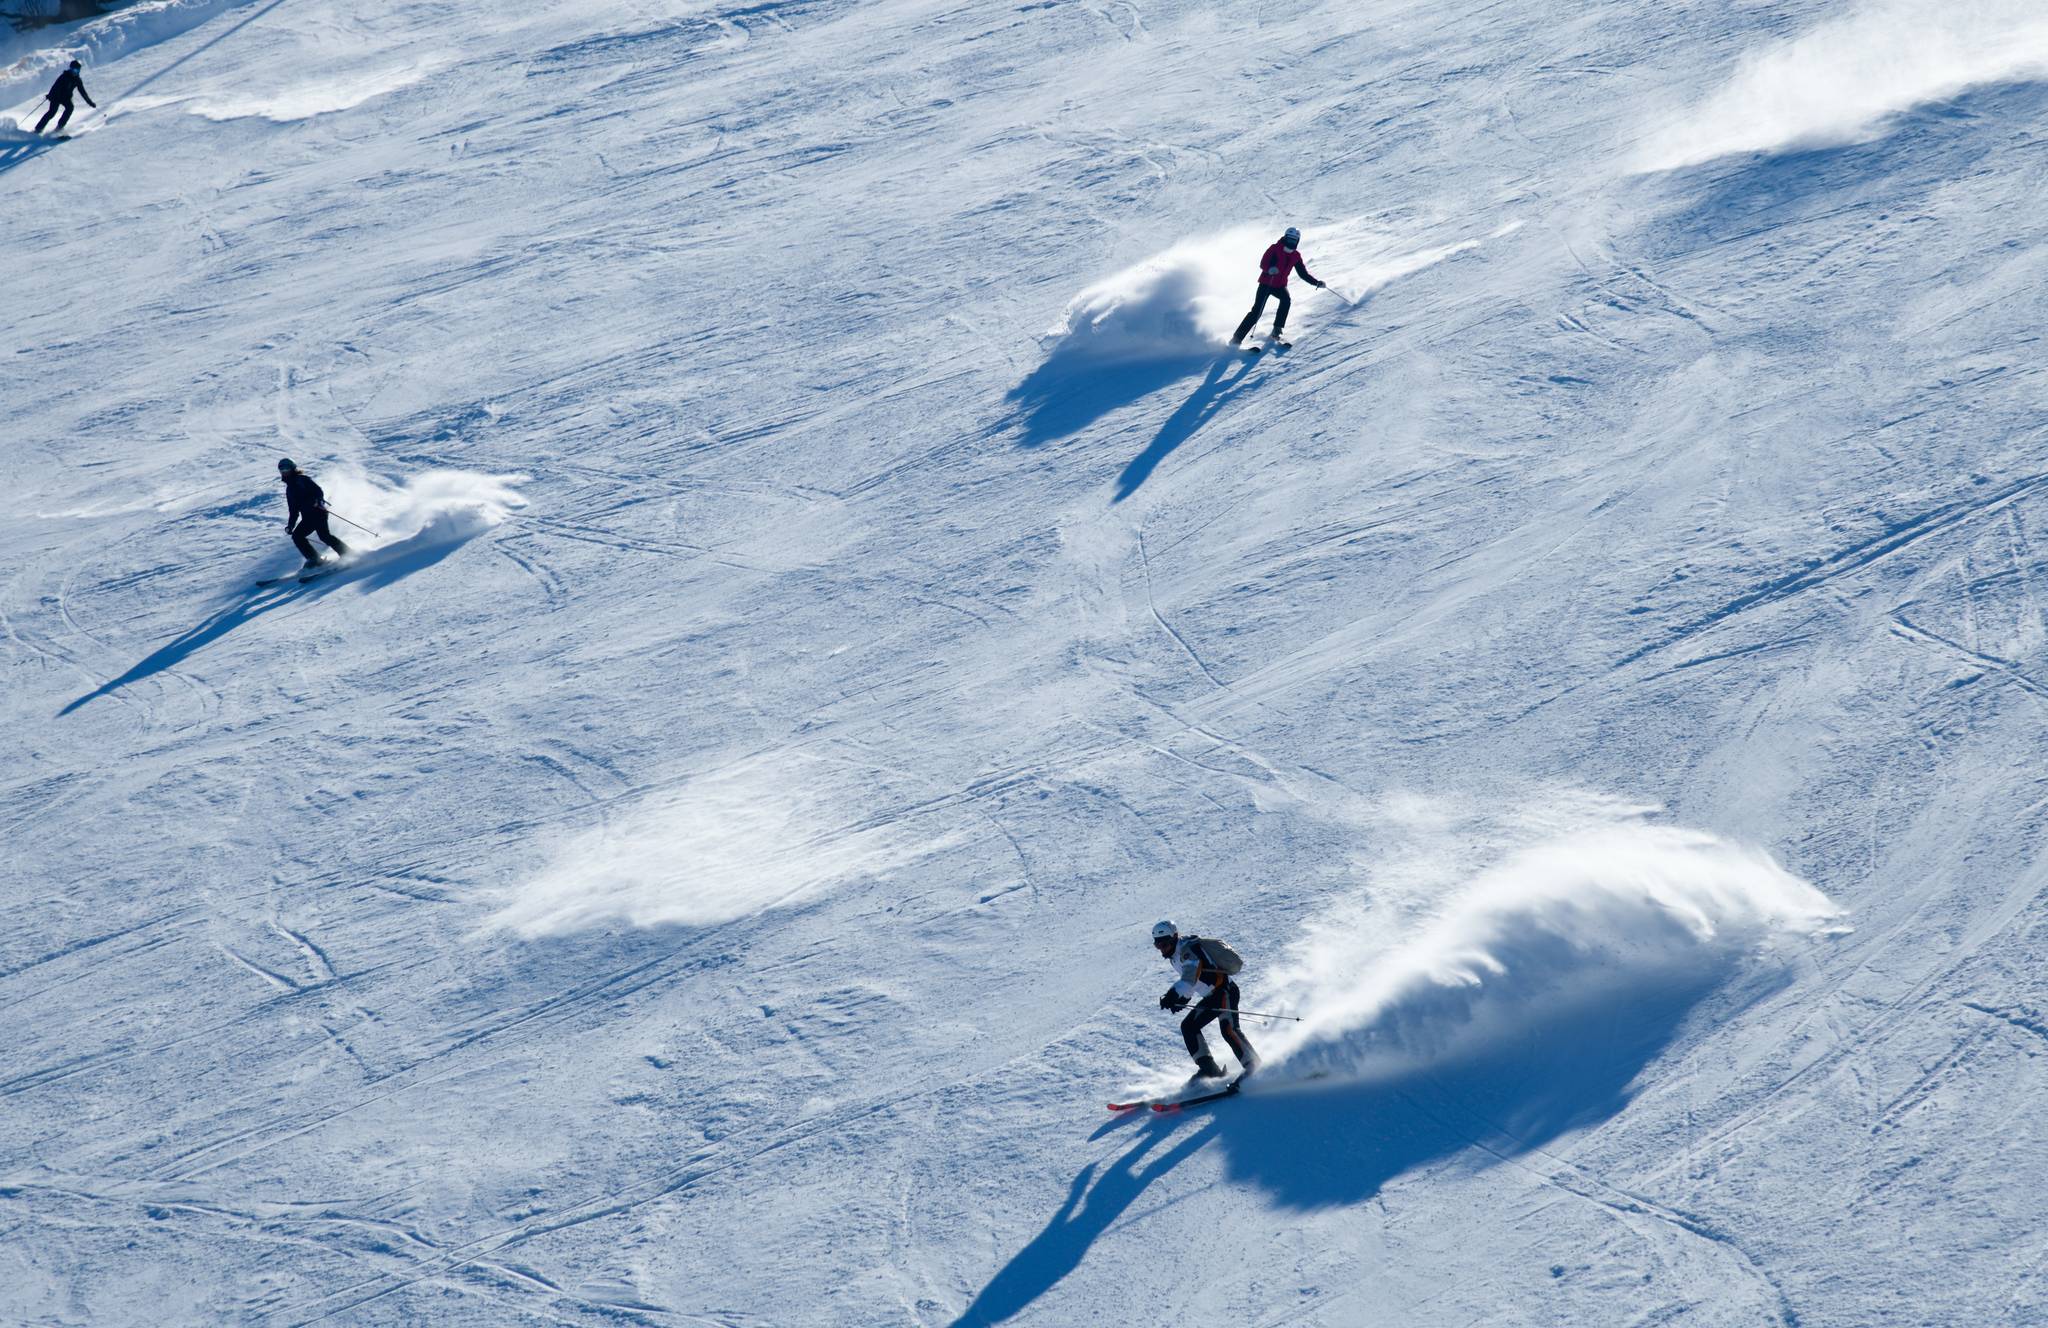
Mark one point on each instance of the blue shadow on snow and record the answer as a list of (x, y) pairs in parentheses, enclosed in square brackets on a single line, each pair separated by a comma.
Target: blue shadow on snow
[(1217, 388), (13, 152), (1094, 1201), (373, 571), (1315, 1146), (1072, 390)]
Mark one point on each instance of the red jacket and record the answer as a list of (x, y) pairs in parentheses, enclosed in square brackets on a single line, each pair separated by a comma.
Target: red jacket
[(1278, 264)]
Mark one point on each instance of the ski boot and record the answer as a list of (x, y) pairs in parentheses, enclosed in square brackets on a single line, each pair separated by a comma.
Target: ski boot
[(1206, 1068)]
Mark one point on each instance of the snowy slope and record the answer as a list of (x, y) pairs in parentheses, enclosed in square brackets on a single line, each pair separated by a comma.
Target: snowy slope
[(699, 870)]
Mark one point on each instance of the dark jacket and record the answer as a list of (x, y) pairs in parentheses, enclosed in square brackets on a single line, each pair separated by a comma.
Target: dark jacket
[(67, 83), (301, 495)]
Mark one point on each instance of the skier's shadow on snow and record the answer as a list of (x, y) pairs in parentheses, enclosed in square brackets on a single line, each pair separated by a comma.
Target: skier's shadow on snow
[(1097, 1198), (375, 571), (1310, 1146), (13, 152), (1217, 388), (1071, 390)]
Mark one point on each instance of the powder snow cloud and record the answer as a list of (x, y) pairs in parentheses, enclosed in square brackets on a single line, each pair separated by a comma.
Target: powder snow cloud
[(768, 832), (1843, 79)]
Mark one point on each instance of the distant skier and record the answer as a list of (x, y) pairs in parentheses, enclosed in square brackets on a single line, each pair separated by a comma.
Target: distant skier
[(306, 513), (59, 97), (1282, 259), (1207, 966)]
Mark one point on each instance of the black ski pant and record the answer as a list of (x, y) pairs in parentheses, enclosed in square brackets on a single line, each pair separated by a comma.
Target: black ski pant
[(1218, 1007), (315, 523), (1258, 305), (55, 106)]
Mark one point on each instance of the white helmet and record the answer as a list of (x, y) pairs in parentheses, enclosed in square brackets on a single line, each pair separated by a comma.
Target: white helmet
[(1162, 930), (1291, 234)]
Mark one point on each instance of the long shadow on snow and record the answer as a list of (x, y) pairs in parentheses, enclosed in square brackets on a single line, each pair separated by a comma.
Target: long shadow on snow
[(1311, 1146), (1320, 1147), (373, 571), (1071, 390), (1094, 1201), (13, 151), (1216, 390)]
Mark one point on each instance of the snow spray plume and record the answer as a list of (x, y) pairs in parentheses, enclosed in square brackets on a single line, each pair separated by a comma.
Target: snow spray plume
[(766, 833), (433, 507), (1181, 302), (1839, 82), (1612, 915)]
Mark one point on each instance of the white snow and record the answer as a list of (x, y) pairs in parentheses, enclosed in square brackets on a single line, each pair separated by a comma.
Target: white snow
[(697, 864), (1838, 82), (765, 833), (302, 102)]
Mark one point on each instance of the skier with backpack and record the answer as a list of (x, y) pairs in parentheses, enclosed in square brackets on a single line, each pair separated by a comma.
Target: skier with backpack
[(59, 97), (306, 513), (1209, 967), (1281, 259)]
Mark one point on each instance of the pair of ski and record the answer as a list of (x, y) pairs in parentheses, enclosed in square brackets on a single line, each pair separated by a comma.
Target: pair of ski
[(1164, 1105), (303, 575)]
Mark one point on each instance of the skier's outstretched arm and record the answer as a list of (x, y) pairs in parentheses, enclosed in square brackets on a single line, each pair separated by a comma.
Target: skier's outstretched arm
[(1306, 275)]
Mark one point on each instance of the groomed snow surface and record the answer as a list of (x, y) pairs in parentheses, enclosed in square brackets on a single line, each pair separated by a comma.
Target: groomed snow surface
[(825, 589)]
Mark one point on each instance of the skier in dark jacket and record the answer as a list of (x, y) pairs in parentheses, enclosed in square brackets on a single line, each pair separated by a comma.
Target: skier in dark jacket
[(1200, 972), (1282, 259), (306, 513), (59, 96)]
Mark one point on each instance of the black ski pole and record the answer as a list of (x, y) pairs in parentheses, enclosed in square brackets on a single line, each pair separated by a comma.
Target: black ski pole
[(365, 529)]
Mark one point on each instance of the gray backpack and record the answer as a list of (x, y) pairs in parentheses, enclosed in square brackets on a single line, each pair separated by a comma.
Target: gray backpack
[(1219, 955)]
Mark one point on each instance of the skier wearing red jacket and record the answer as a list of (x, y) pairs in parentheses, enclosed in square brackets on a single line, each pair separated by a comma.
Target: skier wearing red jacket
[(1281, 261)]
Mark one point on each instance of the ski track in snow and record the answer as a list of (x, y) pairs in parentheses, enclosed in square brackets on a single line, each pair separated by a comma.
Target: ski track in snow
[(697, 868)]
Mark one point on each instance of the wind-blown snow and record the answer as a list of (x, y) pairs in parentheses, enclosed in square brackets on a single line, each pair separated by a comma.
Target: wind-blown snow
[(1841, 80), (761, 834), (301, 101), (1615, 915)]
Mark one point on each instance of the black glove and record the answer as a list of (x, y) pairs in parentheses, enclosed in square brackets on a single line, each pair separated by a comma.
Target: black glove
[(1173, 1001), (1320, 284)]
